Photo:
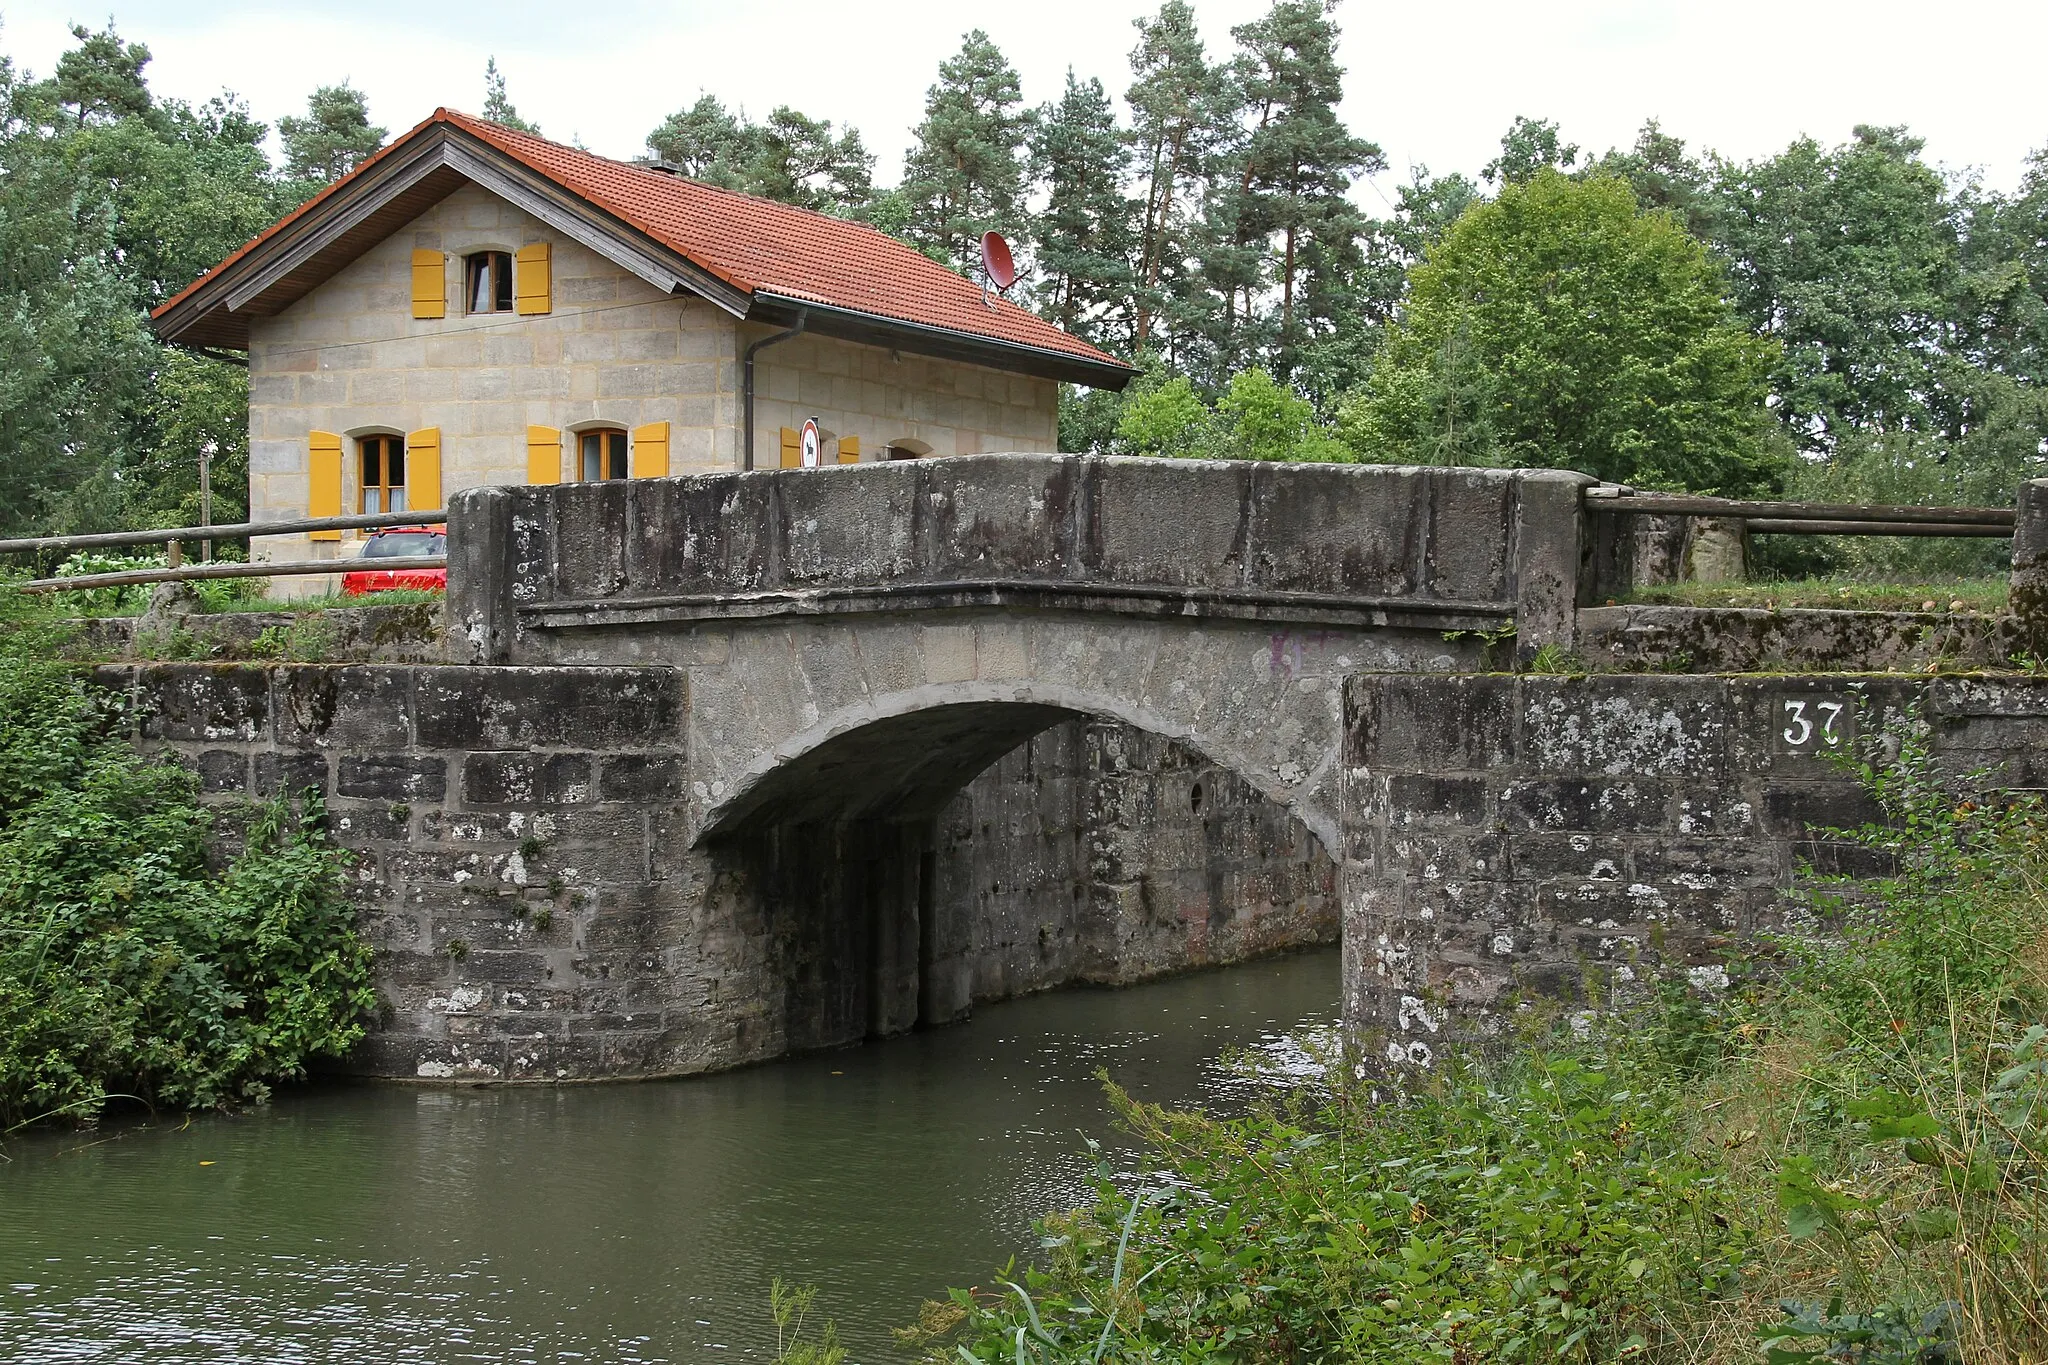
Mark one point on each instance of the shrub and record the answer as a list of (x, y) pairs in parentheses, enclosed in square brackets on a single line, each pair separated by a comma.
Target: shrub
[(128, 965)]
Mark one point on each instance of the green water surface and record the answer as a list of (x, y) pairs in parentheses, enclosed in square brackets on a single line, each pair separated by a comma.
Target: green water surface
[(614, 1223)]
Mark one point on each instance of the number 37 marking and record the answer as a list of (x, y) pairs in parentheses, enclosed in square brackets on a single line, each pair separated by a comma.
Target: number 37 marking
[(1801, 731)]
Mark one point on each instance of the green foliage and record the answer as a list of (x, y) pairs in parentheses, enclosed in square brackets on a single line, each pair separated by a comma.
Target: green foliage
[(1166, 418), (122, 600), (334, 137), (1562, 326), (1870, 1125), (498, 106), (1541, 1213), (1987, 594), (965, 175), (110, 202), (1529, 147), (1257, 418), (1084, 239), (128, 965), (794, 1345), (791, 158), (1293, 175)]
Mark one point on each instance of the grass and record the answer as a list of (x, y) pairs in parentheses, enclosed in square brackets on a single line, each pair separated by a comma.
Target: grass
[(392, 597), (1986, 595), (1841, 1159)]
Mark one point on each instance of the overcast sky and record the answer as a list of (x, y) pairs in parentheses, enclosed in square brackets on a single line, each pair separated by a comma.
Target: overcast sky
[(1432, 83)]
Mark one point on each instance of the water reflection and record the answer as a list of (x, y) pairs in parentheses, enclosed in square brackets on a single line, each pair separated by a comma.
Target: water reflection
[(607, 1223)]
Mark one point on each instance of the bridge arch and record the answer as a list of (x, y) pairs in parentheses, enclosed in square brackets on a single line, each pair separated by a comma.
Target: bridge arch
[(905, 754)]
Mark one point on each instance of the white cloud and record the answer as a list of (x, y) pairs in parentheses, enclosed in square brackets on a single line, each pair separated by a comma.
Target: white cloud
[(1433, 84)]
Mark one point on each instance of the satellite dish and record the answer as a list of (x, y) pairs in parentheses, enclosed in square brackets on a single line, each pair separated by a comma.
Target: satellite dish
[(996, 261)]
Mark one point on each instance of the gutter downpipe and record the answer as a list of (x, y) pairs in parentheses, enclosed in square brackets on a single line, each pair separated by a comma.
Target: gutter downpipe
[(747, 383)]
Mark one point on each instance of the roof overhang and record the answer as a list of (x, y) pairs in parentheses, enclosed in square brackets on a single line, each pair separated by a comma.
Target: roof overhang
[(404, 181), (432, 161), (942, 343)]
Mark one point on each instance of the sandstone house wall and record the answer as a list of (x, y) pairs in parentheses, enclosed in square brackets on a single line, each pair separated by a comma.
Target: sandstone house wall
[(883, 396), (350, 358)]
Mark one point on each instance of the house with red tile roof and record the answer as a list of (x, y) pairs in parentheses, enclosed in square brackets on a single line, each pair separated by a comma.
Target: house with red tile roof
[(475, 305)]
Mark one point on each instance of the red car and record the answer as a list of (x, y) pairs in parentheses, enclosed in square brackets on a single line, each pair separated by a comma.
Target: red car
[(399, 542)]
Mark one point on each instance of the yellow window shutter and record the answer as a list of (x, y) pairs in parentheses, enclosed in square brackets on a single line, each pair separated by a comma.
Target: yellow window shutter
[(533, 285), (423, 470), (323, 479), (792, 448), (543, 455), (849, 450), (429, 284), (650, 451)]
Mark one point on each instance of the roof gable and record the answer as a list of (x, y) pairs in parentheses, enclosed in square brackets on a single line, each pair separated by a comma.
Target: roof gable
[(754, 257)]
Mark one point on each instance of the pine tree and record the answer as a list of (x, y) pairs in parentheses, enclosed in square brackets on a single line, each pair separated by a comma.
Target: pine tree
[(1298, 164), (706, 142), (1085, 237), (497, 106), (333, 139), (798, 160), (101, 79), (1177, 104), (965, 176)]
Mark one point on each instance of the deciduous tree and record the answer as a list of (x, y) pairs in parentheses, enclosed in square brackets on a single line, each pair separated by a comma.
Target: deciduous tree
[(1594, 335)]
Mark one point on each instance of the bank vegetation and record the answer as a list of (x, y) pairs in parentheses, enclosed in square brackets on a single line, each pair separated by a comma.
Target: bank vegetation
[(140, 963), (1840, 1157)]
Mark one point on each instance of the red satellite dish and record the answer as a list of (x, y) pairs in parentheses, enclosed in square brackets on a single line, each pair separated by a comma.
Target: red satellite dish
[(996, 261)]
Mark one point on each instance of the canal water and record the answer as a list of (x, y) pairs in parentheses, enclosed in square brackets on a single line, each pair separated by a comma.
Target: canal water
[(616, 1223)]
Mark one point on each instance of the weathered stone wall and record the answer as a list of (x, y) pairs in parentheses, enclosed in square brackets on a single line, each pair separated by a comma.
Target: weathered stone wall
[(1098, 852), (1752, 639), (530, 918), (883, 397), (1508, 838), (407, 634), (890, 620), (539, 912)]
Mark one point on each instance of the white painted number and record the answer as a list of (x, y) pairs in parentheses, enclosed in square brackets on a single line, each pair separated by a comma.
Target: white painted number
[(1833, 711), (1801, 730)]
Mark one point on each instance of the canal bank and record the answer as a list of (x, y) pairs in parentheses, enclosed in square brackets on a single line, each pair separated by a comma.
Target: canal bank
[(611, 1223)]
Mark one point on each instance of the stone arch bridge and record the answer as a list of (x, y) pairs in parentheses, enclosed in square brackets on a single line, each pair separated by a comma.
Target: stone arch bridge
[(727, 767), (859, 641)]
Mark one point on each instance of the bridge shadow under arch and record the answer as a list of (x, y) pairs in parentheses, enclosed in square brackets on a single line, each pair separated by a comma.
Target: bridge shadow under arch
[(832, 851)]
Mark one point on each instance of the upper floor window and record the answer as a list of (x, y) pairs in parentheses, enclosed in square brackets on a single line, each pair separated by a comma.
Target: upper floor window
[(487, 282), (383, 474), (601, 454)]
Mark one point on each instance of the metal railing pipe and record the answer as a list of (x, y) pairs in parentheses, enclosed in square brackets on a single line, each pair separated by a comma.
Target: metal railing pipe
[(102, 540), (185, 573)]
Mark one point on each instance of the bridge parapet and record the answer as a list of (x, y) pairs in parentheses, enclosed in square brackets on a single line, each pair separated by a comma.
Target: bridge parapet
[(1335, 545)]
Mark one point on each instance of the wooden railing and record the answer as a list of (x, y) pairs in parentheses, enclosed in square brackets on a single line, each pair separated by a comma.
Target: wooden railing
[(1808, 518), (177, 572)]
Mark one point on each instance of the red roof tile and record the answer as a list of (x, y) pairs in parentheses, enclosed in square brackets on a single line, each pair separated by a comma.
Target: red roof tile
[(759, 245)]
